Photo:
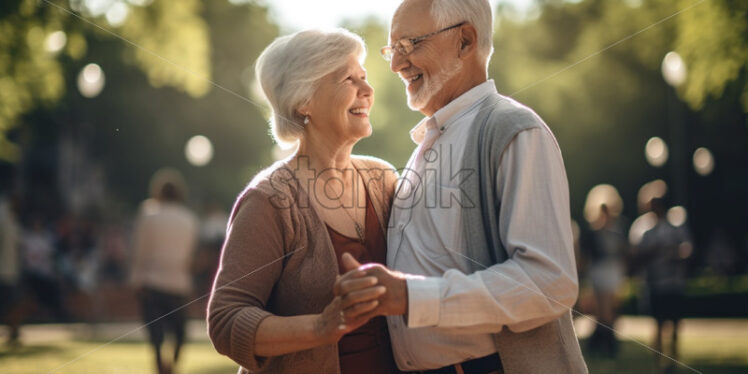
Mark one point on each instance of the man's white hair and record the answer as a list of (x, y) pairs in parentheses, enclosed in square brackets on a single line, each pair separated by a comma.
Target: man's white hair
[(476, 12), (289, 71)]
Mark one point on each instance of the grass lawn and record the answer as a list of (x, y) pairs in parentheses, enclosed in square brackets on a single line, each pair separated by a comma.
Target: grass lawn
[(116, 358), (707, 354)]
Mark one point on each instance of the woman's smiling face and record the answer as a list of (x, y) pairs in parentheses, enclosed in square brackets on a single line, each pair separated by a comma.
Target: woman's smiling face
[(339, 108)]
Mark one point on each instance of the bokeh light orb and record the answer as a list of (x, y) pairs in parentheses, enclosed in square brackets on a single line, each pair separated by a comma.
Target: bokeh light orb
[(55, 42), (97, 8), (703, 161), (602, 194), (641, 225), (656, 152), (634, 3), (117, 14), (647, 192), (199, 150), (140, 2), (674, 69), (91, 81), (677, 216)]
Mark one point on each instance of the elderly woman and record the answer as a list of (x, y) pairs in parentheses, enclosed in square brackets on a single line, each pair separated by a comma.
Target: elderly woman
[(273, 309)]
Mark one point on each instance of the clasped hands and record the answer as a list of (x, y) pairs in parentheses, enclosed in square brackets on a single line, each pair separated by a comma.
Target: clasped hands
[(363, 292)]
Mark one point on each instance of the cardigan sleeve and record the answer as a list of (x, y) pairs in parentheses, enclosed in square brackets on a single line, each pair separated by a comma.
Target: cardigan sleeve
[(251, 263)]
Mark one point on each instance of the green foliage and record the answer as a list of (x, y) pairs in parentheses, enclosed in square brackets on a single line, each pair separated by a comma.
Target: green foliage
[(713, 39), (592, 71), (159, 91), (172, 40), (138, 128), (601, 99), (173, 46), (29, 75)]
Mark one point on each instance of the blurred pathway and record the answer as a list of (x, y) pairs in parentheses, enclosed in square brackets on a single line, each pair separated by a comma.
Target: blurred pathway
[(134, 331), (641, 328)]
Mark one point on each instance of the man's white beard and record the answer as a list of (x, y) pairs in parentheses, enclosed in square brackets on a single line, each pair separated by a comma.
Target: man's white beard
[(432, 86)]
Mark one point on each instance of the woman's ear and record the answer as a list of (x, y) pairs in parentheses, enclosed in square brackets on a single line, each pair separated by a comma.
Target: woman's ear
[(303, 110), (468, 40)]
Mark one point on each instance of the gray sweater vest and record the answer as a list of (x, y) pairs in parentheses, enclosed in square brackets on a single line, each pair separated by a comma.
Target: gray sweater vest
[(550, 348)]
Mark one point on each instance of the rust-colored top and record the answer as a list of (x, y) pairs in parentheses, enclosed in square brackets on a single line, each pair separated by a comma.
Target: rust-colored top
[(365, 350)]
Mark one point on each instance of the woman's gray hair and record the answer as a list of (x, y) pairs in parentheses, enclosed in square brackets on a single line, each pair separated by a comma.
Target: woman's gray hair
[(476, 12), (290, 69)]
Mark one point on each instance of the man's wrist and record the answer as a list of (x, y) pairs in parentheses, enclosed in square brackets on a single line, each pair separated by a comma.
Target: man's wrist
[(402, 296), (423, 299)]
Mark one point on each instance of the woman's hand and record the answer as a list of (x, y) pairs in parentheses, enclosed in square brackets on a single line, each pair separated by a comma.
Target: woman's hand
[(395, 299), (349, 312)]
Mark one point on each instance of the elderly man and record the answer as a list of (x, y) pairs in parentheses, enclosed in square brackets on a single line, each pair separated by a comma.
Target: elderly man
[(482, 272)]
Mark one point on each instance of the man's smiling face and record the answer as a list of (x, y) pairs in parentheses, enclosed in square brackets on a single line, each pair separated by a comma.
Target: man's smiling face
[(427, 70)]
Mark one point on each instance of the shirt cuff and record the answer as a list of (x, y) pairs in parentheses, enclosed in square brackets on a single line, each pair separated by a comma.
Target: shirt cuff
[(423, 301)]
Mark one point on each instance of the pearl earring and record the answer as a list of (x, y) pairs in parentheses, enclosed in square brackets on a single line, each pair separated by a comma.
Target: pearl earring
[(306, 120)]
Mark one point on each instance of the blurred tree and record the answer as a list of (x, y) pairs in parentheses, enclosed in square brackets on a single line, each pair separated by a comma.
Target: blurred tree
[(154, 100), (38, 37), (714, 42), (171, 43), (599, 105), (591, 69), (28, 75), (137, 129)]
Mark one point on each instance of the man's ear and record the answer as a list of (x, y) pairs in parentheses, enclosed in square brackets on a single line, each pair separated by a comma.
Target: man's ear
[(468, 40)]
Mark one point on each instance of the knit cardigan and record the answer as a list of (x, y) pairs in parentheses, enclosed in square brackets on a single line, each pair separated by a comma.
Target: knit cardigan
[(278, 259)]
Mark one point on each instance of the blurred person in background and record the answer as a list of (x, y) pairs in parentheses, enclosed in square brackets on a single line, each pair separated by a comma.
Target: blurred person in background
[(662, 252), (273, 309), (40, 271), (113, 246), (78, 262), (164, 240), (10, 268), (212, 235), (608, 249)]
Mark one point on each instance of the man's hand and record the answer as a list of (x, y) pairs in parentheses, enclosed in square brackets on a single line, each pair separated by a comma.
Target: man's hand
[(393, 302)]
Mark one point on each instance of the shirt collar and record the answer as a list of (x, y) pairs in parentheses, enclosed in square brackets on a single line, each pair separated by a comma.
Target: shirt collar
[(455, 107)]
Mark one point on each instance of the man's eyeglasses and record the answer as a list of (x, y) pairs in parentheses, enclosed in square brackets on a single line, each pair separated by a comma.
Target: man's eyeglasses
[(406, 46)]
